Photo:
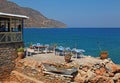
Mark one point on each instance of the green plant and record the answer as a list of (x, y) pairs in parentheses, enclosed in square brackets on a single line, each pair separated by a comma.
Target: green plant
[(68, 55), (54, 45), (21, 49), (31, 44), (104, 52)]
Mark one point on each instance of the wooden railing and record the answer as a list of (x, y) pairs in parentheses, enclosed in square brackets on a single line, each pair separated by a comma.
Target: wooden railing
[(8, 37)]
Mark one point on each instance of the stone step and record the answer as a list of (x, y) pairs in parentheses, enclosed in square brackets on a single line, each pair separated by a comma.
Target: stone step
[(25, 77)]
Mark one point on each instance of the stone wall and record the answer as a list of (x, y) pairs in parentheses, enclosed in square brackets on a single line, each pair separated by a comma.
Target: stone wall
[(11, 45), (8, 55)]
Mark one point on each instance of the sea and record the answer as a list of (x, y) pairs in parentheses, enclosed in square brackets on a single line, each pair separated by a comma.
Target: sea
[(92, 40)]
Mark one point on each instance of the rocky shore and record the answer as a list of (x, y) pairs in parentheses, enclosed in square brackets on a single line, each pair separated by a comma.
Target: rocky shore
[(89, 70)]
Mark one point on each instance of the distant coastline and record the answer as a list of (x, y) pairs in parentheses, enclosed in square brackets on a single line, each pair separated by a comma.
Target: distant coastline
[(36, 19)]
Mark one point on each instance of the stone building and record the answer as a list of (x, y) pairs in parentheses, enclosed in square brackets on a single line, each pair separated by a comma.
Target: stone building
[(11, 37)]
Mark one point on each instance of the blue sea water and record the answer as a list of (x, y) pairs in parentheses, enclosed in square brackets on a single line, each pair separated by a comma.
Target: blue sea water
[(89, 39)]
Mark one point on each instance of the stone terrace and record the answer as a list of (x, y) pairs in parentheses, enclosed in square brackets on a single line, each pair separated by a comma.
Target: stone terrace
[(90, 69)]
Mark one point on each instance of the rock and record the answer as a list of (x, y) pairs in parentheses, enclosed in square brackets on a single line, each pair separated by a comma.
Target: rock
[(111, 74), (103, 70), (85, 68), (110, 81), (101, 79), (73, 82), (19, 64), (31, 63), (90, 75), (112, 67), (97, 66), (83, 76), (118, 81), (117, 76), (105, 61), (98, 72), (82, 73), (79, 79)]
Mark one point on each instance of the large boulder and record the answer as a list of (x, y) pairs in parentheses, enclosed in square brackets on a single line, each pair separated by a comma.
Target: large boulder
[(79, 78), (116, 77), (111, 67), (101, 79), (90, 75)]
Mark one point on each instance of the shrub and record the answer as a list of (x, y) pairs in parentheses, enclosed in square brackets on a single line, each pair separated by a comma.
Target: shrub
[(21, 49)]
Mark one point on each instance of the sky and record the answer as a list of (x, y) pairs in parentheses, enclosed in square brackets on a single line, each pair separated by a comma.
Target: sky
[(78, 13)]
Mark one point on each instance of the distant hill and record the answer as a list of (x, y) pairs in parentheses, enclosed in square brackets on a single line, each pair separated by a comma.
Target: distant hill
[(36, 19)]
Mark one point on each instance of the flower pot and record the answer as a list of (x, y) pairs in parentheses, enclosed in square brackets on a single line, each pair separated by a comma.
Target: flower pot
[(67, 58), (31, 47), (20, 55), (103, 55)]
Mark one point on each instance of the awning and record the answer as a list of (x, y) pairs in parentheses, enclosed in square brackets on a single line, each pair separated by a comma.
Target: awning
[(13, 15)]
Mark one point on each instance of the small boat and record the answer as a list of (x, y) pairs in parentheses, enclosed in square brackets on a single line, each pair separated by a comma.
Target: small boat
[(52, 69)]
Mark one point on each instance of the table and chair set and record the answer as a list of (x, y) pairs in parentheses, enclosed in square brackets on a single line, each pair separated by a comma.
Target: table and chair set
[(58, 50), (62, 51), (39, 48)]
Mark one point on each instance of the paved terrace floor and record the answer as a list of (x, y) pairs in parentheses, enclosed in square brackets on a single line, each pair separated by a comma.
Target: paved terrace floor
[(52, 58)]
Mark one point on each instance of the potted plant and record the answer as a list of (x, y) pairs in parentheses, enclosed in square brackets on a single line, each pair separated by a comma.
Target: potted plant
[(20, 52), (67, 57), (31, 47), (103, 54)]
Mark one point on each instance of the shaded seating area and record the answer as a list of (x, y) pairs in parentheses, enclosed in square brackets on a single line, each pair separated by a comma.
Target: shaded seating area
[(29, 52), (39, 48), (62, 51), (77, 53)]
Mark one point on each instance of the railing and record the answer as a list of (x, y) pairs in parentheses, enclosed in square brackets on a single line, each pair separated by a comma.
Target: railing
[(8, 37)]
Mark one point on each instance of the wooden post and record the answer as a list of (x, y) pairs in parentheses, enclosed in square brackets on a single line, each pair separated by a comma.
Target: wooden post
[(22, 30), (11, 29), (10, 24)]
